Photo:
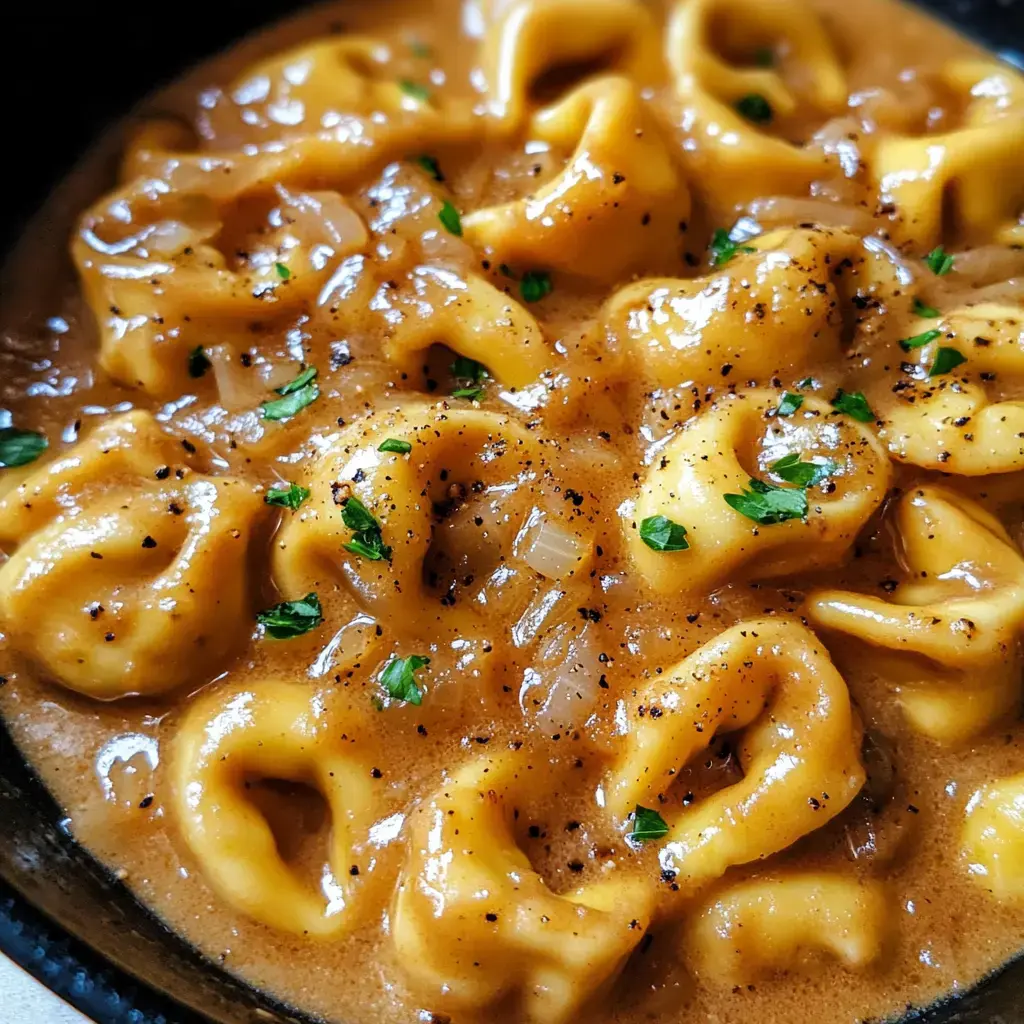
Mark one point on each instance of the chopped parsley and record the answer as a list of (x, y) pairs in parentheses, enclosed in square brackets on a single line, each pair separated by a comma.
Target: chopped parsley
[(723, 248), (946, 359), (470, 374), (414, 90), (292, 618), (430, 165), (854, 404), (20, 447), (471, 394), (789, 404), (920, 309), (939, 261), (293, 496), (392, 444), (803, 474), (399, 678), (919, 340), (282, 271), (767, 504), (367, 541), (535, 285), (297, 394), (198, 362), (755, 108), (647, 825), (450, 219), (661, 534)]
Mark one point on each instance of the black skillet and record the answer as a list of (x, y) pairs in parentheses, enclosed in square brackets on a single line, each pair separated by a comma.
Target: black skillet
[(65, 73)]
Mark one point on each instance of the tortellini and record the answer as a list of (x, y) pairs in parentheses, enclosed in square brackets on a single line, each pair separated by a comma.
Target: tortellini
[(772, 681), (714, 455), (274, 731), (128, 571), (954, 621), (473, 924), (967, 421), (963, 182), (713, 48), (992, 840), (535, 36), (777, 923), (617, 203), (773, 312), (166, 266)]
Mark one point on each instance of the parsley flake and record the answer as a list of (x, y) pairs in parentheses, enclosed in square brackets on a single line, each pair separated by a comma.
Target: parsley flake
[(789, 404), (414, 90), (292, 618), (399, 678), (430, 165), (723, 248), (920, 309), (450, 219), (535, 285), (367, 541), (755, 108), (293, 496), (854, 404), (659, 533), (20, 447), (767, 504), (198, 362), (464, 368), (471, 394), (946, 360), (297, 394), (939, 262), (919, 340), (803, 474), (392, 444), (647, 825), (282, 271)]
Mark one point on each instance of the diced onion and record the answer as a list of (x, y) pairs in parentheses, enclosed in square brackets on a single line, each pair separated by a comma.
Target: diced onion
[(554, 551), (238, 386), (988, 264), (777, 211)]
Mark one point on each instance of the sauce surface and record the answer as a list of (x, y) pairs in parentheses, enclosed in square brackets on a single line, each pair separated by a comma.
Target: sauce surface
[(551, 376)]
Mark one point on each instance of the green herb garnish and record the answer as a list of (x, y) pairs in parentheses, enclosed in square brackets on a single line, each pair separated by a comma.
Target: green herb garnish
[(450, 219), (20, 447), (755, 108), (789, 404), (471, 394), (920, 309), (297, 394), (535, 285), (414, 89), (803, 474), (430, 165), (946, 359), (399, 678), (661, 534), (367, 541), (293, 496), (292, 618), (464, 368), (919, 340), (198, 362), (723, 248), (392, 444), (767, 504), (939, 261), (282, 271), (854, 404), (647, 825)]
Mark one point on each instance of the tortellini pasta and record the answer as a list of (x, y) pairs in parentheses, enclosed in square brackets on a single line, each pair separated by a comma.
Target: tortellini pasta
[(992, 840), (955, 620), (775, 923), (967, 421), (772, 312), (714, 455), (473, 924), (713, 48), (964, 181), (274, 731), (772, 681), (618, 202), (128, 571)]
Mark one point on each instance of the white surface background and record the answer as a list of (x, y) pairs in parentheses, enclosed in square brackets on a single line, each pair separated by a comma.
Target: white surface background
[(24, 1001)]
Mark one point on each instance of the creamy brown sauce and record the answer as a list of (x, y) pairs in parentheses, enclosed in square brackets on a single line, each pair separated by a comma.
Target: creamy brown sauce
[(107, 762)]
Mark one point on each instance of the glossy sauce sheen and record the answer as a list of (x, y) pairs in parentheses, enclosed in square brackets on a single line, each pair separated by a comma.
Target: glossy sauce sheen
[(545, 675)]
